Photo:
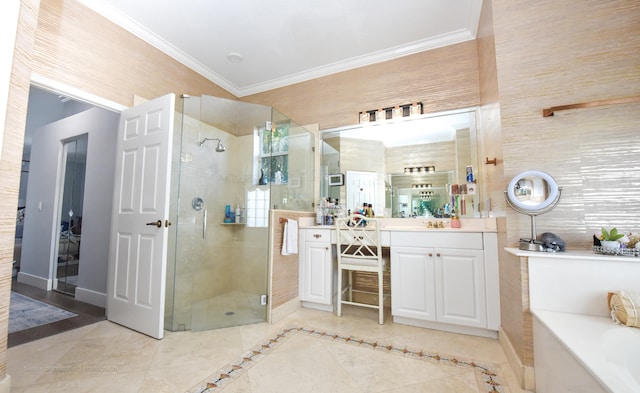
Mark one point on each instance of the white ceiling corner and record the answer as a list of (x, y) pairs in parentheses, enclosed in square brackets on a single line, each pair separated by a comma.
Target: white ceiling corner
[(290, 41)]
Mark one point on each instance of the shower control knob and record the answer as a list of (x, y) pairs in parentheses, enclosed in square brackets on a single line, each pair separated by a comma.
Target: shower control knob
[(156, 223)]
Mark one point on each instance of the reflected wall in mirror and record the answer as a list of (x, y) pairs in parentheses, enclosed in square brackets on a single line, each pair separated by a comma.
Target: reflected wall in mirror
[(393, 150)]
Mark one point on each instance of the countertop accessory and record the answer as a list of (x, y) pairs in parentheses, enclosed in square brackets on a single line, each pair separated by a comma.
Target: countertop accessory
[(533, 192)]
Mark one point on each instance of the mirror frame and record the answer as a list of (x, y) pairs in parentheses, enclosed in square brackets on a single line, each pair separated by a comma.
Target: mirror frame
[(549, 202)]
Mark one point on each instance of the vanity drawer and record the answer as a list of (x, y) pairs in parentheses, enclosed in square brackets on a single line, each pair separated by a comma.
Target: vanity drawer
[(317, 235), (466, 240)]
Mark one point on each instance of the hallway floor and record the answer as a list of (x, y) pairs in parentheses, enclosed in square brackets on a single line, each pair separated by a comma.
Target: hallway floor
[(106, 357), (87, 314)]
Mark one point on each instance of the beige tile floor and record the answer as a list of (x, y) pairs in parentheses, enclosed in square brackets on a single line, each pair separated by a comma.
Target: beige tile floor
[(105, 357)]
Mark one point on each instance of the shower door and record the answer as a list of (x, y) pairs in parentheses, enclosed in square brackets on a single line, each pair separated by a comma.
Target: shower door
[(221, 262), (229, 157)]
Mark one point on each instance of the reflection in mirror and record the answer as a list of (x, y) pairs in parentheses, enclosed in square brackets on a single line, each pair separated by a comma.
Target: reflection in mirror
[(70, 213), (398, 152), (532, 191)]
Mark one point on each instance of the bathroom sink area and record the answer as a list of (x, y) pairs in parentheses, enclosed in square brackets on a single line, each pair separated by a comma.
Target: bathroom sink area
[(422, 224)]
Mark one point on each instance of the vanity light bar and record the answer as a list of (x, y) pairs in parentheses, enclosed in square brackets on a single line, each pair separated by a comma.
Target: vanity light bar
[(420, 169), (422, 185), (390, 113)]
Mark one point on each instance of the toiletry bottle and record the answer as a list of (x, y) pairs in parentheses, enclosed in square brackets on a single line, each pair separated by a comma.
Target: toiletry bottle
[(227, 213), (238, 214), (319, 215)]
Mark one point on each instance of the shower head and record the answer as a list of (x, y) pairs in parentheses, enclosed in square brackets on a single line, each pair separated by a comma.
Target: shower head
[(220, 148)]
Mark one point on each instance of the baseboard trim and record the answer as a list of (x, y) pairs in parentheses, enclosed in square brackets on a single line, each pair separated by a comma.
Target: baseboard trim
[(318, 306), (35, 281), (524, 374), (284, 310), (5, 384), (92, 297), (446, 327)]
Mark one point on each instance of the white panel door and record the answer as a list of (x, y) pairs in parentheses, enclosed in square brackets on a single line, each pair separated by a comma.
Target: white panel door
[(138, 252), (360, 188)]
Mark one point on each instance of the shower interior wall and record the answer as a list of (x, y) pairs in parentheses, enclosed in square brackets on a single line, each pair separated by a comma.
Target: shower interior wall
[(200, 268)]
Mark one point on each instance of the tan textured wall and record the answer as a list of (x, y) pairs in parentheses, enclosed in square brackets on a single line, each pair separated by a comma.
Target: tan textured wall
[(490, 136), (442, 79), (579, 54), (80, 48), (285, 268), (550, 53), (11, 162)]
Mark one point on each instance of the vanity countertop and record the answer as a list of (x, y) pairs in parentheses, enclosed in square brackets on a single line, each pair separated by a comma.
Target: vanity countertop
[(571, 254), (420, 224)]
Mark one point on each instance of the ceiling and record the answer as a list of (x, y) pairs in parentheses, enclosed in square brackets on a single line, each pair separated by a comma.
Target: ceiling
[(250, 46)]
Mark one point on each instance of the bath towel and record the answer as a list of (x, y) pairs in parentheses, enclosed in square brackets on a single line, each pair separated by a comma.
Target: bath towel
[(290, 238)]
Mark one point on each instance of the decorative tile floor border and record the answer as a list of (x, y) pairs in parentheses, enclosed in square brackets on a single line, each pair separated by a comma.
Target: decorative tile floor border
[(485, 372)]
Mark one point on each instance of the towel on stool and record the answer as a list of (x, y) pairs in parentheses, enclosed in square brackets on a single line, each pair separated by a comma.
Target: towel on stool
[(290, 238)]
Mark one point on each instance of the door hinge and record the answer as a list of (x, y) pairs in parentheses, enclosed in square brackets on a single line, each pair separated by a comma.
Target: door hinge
[(263, 300)]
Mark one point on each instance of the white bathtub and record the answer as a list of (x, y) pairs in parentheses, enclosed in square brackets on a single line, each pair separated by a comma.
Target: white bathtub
[(586, 354)]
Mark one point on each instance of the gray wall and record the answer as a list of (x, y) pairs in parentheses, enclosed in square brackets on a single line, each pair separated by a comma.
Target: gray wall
[(40, 228)]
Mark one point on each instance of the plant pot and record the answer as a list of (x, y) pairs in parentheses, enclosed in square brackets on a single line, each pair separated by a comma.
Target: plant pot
[(610, 244)]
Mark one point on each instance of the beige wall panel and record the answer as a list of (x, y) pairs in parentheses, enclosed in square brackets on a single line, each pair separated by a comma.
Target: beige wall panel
[(557, 54), (443, 79), (490, 133), (285, 268), (582, 54), (11, 162), (80, 48)]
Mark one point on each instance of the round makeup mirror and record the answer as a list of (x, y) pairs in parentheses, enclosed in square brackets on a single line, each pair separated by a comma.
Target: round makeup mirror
[(532, 193)]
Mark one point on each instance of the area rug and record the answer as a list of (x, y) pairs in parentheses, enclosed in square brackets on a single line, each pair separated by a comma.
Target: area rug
[(486, 374), (26, 313)]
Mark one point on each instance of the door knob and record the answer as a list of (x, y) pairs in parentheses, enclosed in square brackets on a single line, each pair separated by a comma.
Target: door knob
[(156, 223)]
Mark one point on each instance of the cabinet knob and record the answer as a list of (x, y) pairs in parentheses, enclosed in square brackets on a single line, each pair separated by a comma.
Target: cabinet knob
[(438, 254), (430, 254), (317, 235)]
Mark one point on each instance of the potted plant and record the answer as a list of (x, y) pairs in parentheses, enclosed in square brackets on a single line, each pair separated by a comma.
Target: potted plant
[(609, 239)]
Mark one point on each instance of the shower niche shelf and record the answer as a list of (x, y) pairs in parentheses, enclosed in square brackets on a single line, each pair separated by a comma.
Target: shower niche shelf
[(233, 223)]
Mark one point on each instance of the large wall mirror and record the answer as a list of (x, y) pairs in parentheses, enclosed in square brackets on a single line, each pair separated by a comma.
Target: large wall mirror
[(412, 161)]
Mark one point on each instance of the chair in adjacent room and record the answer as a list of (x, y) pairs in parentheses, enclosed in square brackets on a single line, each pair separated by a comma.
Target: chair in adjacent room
[(359, 248)]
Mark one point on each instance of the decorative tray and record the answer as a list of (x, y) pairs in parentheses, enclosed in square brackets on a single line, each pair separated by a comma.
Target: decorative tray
[(626, 252)]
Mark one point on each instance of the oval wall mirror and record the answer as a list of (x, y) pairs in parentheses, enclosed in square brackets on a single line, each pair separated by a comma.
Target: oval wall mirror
[(532, 192)]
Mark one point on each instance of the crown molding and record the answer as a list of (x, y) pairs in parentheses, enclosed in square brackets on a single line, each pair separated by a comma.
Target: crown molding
[(154, 40)]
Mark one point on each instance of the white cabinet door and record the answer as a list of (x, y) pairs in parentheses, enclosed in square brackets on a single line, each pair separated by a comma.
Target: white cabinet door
[(412, 283), (460, 287), (317, 273)]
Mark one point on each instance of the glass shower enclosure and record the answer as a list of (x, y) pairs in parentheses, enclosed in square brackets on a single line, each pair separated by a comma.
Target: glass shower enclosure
[(232, 163)]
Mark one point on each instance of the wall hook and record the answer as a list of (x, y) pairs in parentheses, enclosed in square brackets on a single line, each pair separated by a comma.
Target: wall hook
[(493, 161)]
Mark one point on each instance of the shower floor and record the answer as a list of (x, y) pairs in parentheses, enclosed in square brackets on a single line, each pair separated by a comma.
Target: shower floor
[(229, 309)]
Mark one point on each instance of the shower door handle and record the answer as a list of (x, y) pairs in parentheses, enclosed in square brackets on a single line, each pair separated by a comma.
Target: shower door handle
[(204, 224)]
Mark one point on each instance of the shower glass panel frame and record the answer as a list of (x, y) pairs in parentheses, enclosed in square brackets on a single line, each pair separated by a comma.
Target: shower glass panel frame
[(218, 266)]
